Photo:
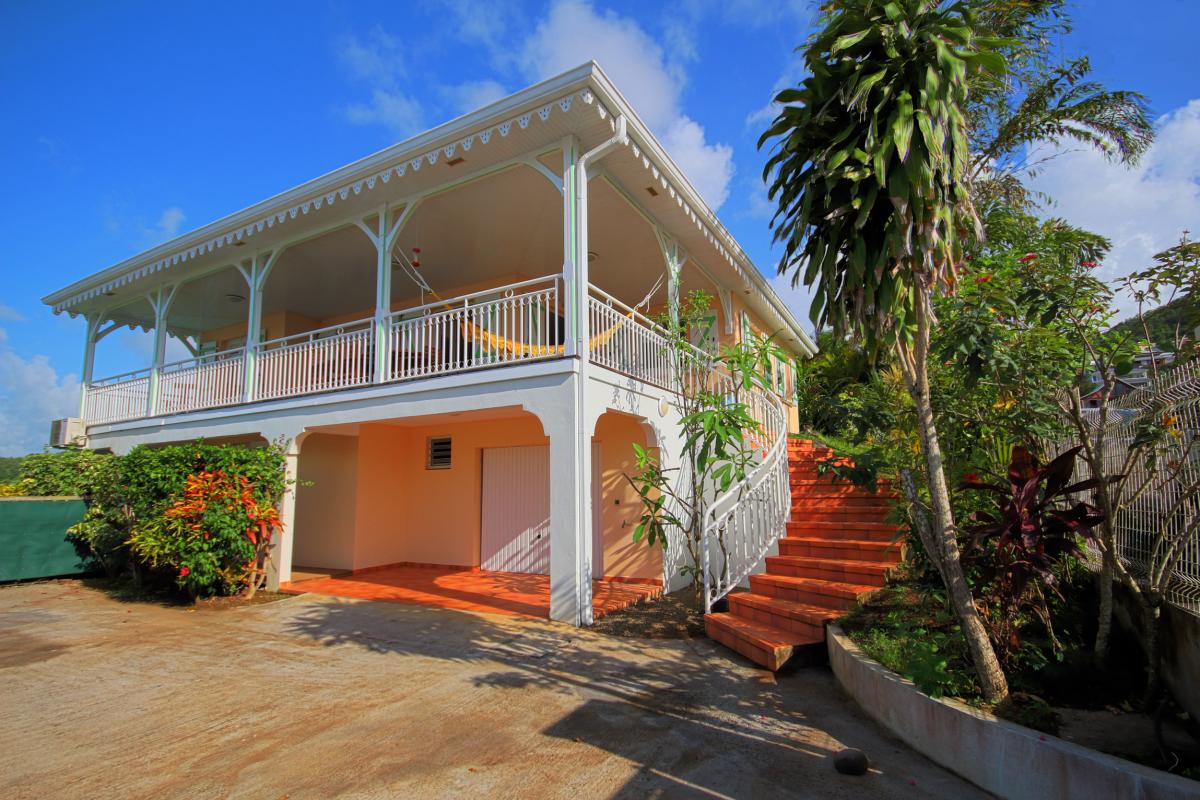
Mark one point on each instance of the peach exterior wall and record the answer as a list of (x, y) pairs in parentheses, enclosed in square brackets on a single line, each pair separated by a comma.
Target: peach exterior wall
[(623, 557), (325, 502), (371, 501), (409, 513)]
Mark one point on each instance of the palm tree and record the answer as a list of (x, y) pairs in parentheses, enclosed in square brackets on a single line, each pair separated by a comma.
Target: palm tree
[(870, 177)]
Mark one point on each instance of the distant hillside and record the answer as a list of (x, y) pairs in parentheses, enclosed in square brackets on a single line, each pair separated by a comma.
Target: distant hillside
[(1162, 322)]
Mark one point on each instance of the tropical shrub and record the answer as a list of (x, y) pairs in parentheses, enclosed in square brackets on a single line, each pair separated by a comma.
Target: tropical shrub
[(67, 472), (1024, 545), (215, 537)]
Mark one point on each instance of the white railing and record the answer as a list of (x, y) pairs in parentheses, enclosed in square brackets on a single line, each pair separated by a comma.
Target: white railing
[(626, 341), (484, 329), (742, 524), (206, 381), (1160, 509), (336, 357), (118, 398)]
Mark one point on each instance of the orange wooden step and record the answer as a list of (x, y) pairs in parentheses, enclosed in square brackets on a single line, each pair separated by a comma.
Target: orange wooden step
[(809, 514), (765, 645), (852, 549), (798, 618), (810, 591), (870, 531), (866, 573)]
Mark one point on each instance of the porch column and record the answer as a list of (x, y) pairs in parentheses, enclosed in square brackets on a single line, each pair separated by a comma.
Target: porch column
[(674, 257), (384, 238), (89, 358), (160, 301), (280, 569), (255, 271), (570, 514), (573, 290)]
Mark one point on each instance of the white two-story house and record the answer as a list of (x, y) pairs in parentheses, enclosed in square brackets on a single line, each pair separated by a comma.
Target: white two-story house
[(454, 339)]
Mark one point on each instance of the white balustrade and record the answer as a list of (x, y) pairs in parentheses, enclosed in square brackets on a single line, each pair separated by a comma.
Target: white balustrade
[(626, 341), (118, 398), (336, 357), (485, 329), (206, 381)]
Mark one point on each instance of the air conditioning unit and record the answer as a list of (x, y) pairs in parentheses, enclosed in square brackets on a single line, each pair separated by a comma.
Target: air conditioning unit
[(69, 432)]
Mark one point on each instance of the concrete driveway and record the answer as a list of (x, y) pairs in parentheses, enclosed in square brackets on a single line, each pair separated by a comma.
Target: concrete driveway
[(316, 697)]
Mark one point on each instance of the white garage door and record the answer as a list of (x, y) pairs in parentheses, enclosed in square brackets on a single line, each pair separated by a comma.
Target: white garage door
[(516, 510)]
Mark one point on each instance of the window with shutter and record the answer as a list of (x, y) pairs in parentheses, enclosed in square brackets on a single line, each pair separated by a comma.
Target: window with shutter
[(438, 453)]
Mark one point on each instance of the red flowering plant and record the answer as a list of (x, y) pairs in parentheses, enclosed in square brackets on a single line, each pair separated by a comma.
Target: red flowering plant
[(1023, 544), (215, 537)]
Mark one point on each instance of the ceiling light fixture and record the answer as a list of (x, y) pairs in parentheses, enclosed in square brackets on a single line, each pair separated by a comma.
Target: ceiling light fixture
[(234, 297), (650, 190), (454, 162), (591, 256), (239, 243)]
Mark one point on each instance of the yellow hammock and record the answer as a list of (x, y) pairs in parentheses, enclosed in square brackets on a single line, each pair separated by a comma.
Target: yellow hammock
[(494, 341)]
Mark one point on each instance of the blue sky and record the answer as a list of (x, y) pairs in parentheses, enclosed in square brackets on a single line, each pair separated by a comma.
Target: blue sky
[(126, 124)]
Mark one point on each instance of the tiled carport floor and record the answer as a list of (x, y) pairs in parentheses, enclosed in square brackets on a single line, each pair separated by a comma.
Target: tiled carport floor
[(509, 593)]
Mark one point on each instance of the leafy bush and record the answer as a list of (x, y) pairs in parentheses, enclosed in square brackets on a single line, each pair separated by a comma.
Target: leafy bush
[(214, 538), (1022, 544), (67, 472), (198, 516)]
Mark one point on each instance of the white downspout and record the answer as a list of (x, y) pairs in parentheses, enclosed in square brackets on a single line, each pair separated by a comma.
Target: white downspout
[(583, 448)]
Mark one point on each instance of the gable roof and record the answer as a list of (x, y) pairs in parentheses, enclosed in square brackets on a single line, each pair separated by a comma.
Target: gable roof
[(545, 102)]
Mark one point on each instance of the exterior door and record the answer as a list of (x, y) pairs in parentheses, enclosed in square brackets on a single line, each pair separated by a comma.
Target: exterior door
[(515, 524)]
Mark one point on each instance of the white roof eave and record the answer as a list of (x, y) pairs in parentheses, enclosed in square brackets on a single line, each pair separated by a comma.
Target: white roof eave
[(585, 78)]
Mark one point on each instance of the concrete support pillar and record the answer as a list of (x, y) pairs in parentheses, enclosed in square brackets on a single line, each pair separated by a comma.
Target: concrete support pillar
[(570, 509), (280, 569)]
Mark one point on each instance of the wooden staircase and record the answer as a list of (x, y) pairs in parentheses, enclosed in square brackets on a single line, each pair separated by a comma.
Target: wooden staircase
[(838, 548)]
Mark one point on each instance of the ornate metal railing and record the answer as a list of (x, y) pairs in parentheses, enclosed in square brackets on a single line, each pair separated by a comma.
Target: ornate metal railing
[(742, 524), (626, 341), (518, 323)]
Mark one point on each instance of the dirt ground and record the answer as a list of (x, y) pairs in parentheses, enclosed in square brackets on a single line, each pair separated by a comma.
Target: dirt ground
[(316, 697)]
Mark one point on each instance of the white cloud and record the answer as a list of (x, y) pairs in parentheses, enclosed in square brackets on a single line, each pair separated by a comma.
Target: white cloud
[(31, 394), (10, 314), (468, 96), (574, 32), (169, 221), (1142, 209), (377, 61)]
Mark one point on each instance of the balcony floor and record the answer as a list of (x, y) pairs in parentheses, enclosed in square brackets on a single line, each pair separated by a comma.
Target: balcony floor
[(462, 589)]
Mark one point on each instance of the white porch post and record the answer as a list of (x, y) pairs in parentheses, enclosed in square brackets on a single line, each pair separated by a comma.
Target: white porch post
[(160, 301), (674, 257), (570, 273), (384, 239), (280, 569), (89, 358), (255, 271)]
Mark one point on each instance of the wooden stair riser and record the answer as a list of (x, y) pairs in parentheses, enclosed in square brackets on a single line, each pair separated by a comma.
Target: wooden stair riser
[(816, 593), (827, 570), (842, 549), (819, 514), (835, 530), (804, 626)]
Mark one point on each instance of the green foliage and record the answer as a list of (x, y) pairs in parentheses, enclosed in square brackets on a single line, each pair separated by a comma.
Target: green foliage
[(65, 472), (870, 161), (721, 436), (930, 652), (1181, 314), (211, 536), (10, 469), (135, 499)]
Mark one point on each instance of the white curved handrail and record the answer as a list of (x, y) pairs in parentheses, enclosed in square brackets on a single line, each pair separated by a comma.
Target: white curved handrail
[(751, 515)]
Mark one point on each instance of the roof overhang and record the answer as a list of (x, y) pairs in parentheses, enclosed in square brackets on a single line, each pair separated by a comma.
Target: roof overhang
[(353, 184)]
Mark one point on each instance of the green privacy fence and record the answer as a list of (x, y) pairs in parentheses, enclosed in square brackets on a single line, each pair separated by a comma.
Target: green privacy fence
[(33, 537)]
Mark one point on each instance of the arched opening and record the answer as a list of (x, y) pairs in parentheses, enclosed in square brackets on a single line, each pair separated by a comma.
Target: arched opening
[(615, 553)]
